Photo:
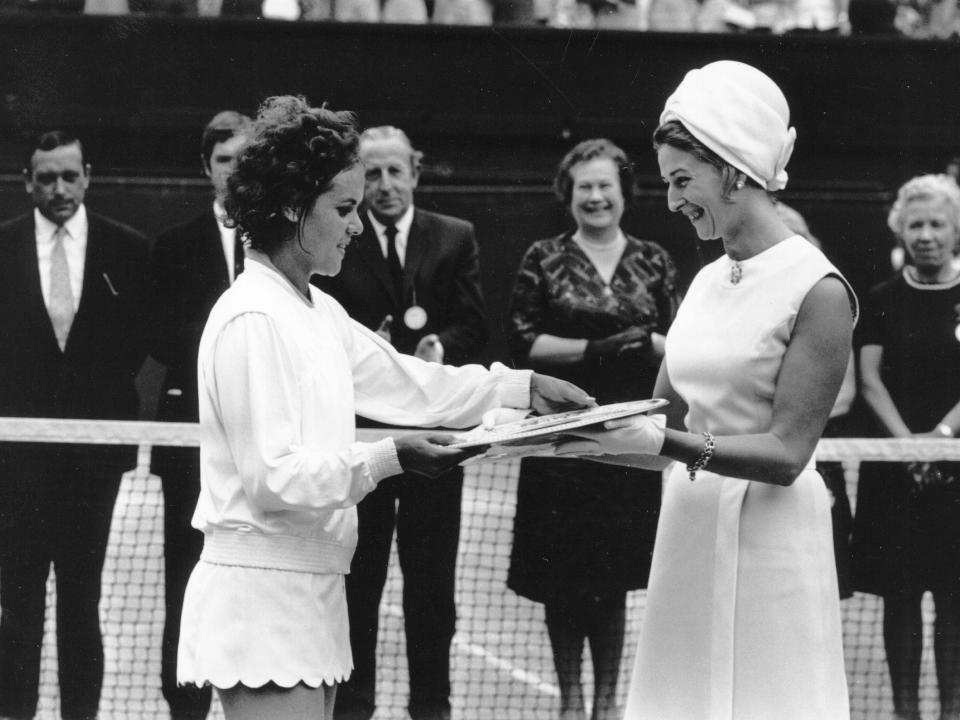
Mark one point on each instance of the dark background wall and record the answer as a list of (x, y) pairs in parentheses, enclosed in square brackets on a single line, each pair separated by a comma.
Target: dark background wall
[(493, 108)]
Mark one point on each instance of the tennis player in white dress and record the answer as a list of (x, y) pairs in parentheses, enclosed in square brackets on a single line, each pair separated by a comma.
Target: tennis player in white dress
[(282, 370), (743, 614)]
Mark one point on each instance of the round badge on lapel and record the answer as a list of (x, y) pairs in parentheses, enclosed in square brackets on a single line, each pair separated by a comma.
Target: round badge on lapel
[(415, 317)]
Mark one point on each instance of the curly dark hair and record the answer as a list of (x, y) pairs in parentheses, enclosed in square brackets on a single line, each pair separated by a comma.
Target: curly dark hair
[(293, 154), (675, 134), (589, 150)]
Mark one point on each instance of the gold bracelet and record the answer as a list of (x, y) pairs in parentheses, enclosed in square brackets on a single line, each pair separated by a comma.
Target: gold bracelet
[(704, 457)]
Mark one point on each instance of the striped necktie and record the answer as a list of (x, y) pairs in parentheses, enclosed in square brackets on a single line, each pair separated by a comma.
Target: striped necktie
[(61, 296)]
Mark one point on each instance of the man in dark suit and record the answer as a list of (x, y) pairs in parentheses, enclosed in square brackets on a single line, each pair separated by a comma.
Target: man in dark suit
[(72, 316), (192, 264), (413, 276)]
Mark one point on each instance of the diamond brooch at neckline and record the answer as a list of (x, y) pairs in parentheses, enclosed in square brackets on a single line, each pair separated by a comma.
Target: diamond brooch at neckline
[(736, 273)]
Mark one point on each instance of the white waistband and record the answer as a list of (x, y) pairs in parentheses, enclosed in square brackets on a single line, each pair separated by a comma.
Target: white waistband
[(276, 552)]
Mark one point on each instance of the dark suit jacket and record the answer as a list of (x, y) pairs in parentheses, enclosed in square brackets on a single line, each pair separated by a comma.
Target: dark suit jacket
[(188, 273), (440, 269), (94, 376)]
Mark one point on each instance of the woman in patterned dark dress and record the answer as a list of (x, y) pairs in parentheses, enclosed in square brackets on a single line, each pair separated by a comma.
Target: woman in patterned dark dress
[(906, 535), (592, 305)]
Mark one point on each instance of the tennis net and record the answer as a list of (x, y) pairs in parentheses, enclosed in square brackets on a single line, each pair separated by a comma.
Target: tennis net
[(502, 667)]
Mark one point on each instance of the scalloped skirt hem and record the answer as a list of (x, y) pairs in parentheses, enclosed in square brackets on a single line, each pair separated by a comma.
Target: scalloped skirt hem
[(286, 684), (254, 626)]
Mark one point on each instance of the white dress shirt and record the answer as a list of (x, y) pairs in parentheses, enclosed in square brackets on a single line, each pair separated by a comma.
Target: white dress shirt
[(228, 238), (403, 232), (75, 245)]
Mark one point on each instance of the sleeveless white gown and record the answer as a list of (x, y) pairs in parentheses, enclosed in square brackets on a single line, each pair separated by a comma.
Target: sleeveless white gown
[(743, 613)]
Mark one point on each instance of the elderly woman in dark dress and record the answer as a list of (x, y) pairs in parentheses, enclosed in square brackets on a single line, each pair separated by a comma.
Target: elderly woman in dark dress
[(592, 305), (906, 537)]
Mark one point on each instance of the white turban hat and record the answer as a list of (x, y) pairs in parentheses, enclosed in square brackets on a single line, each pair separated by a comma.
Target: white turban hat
[(740, 114)]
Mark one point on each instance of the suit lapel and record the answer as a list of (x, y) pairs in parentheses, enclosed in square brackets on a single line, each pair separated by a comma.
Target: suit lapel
[(417, 243), (28, 273), (213, 263), (95, 274)]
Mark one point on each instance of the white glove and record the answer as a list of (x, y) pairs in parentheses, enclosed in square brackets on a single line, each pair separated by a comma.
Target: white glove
[(637, 435), (498, 453)]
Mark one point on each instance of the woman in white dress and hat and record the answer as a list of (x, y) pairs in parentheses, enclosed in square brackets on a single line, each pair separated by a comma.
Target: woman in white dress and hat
[(743, 615)]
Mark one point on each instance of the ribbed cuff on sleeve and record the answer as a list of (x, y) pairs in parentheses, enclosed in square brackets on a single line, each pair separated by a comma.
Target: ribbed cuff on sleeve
[(382, 459), (515, 387)]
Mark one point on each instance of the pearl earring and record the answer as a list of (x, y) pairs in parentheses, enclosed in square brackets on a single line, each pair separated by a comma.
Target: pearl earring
[(739, 184)]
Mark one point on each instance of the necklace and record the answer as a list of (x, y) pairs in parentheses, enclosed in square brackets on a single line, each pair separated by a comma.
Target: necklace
[(925, 281), (604, 256), (736, 273)]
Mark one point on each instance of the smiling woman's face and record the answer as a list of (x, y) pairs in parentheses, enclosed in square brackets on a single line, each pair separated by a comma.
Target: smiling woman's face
[(695, 188), (329, 225), (596, 198), (928, 232)]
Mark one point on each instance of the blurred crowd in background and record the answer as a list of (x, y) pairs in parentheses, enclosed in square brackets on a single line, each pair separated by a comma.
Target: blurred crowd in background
[(905, 18)]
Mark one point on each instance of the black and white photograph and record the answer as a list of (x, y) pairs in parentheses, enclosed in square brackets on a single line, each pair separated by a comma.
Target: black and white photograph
[(480, 359)]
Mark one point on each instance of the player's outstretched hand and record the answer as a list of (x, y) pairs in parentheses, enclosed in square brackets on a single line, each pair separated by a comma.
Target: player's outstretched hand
[(427, 453), (552, 395)]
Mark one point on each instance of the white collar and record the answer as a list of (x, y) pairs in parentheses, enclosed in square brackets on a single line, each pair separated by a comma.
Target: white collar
[(220, 213), (402, 225), (76, 226), (261, 265)]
